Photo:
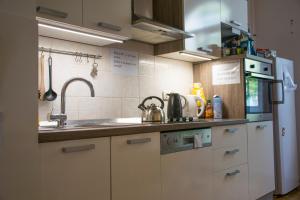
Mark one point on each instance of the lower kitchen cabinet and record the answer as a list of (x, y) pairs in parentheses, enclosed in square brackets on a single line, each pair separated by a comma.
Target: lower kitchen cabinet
[(261, 159), (135, 167), (76, 170), (231, 184), (187, 175), (230, 180)]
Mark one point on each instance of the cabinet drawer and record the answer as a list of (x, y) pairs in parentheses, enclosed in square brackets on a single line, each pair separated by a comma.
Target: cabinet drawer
[(231, 184), (227, 136), (227, 157)]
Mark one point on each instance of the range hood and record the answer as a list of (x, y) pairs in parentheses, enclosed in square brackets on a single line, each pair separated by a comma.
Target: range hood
[(151, 31)]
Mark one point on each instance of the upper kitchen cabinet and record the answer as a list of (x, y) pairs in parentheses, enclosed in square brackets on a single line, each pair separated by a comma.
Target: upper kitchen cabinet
[(200, 18), (112, 16), (67, 11), (86, 21), (235, 13)]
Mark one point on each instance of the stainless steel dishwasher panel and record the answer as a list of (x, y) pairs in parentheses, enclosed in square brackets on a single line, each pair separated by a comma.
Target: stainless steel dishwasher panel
[(176, 141)]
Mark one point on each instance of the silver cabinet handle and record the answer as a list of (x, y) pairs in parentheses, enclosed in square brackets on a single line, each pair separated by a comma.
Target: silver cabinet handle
[(109, 26), (234, 151), (261, 126), (231, 130), (78, 148), (139, 141), (51, 12), (233, 173), (235, 23), (206, 50)]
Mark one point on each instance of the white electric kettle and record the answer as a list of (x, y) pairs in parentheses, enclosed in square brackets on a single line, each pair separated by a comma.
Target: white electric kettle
[(191, 109)]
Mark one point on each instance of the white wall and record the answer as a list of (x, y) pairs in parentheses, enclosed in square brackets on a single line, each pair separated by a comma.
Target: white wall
[(117, 95), (19, 160)]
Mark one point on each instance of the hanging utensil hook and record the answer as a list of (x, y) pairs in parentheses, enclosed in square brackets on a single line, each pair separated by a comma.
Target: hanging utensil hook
[(95, 64), (42, 51), (80, 57), (76, 56), (94, 71)]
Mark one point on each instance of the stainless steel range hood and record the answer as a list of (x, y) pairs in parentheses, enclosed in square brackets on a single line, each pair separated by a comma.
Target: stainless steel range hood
[(147, 30)]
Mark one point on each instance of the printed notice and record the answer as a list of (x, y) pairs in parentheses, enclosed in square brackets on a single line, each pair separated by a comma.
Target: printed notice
[(225, 74), (124, 62)]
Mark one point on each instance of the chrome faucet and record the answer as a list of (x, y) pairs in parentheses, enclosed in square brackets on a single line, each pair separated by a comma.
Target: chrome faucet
[(62, 117)]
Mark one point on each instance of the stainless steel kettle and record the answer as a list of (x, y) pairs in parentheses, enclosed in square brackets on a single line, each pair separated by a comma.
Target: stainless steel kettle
[(152, 113)]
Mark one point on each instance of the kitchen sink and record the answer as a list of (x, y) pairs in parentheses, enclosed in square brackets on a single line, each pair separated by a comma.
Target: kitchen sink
[(86, 124)]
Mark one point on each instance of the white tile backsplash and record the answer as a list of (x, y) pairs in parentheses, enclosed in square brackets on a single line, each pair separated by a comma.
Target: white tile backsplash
[(117, 95)]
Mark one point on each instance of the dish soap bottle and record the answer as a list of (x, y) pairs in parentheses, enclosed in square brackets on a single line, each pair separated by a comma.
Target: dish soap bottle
[(198, 91), (209, 114)]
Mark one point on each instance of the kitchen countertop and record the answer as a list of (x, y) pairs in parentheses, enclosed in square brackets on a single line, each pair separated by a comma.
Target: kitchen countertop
[(56, 134)]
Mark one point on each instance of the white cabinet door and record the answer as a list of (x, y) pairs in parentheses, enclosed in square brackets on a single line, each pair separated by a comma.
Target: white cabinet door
[(187, 175), (204, 22), (231, 184), (68, 11), (76, 170), (112, 16), (235, 13), (135, 167), (261, 159)]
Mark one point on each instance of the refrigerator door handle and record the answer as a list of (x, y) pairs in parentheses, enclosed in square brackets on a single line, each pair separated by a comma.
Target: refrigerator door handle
[(282, 92)]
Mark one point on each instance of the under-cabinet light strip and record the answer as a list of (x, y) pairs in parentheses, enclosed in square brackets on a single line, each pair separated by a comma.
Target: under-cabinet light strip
[(194, 56), (79, 33)]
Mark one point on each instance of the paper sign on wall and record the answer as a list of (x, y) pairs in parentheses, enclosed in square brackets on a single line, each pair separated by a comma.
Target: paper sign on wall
[(224, 74), (124, 62)]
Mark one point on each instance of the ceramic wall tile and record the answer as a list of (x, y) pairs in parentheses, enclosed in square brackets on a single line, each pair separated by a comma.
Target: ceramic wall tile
[(130, 107), (117, 95), (111, 108), (89, 107), (130, 87), (146, 65)]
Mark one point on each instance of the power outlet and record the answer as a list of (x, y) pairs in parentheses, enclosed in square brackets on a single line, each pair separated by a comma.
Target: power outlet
[(164, 95)]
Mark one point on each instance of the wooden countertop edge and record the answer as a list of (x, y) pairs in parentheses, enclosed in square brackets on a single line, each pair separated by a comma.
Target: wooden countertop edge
[(77, 134)]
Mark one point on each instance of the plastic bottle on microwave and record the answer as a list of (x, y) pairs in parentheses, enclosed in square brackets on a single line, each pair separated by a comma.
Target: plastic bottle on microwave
[(217, 107)]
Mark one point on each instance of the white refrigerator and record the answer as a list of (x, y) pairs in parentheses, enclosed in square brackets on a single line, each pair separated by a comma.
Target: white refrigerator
[(285, 134)]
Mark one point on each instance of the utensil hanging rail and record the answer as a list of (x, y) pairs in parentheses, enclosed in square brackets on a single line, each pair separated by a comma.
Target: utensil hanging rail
[(70, 53)]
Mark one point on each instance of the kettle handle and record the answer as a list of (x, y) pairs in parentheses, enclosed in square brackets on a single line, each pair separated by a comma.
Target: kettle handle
[(142, 105), (202, 108), (185, 101)]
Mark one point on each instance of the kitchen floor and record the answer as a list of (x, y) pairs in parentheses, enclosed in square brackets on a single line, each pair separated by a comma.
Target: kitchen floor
[(295, 195)]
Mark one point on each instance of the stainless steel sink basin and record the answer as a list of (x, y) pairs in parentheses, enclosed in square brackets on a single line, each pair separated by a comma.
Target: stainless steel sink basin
[(85, 124)]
